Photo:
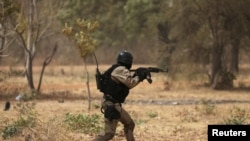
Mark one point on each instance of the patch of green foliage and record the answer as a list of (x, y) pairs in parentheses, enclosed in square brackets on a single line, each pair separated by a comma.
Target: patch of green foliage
[(140, 121), (152, 114), (81, 33), (83, 123), (237, 116), (207, 108), (27, 118)]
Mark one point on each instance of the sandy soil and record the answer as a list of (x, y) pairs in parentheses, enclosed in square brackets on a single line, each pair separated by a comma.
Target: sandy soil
[(155, 121)]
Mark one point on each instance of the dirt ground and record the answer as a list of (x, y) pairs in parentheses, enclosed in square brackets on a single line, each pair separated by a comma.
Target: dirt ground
[(163, 111)]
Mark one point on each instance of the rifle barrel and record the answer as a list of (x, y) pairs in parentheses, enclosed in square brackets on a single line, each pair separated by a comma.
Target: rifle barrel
[(153, 69)]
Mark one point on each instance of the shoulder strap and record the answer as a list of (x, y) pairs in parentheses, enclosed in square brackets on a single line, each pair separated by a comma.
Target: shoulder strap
[(109, 71)]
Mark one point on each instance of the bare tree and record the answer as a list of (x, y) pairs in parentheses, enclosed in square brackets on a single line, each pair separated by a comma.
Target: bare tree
[(80, 34), (30, 34)]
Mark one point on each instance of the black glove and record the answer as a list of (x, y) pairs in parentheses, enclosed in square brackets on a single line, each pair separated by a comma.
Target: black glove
[(141, 73)]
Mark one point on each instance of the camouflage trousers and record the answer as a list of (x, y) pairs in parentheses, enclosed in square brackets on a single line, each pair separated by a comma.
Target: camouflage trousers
[(111, 125)]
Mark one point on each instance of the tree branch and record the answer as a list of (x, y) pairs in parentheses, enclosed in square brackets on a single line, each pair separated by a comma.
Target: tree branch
[(47, 60)]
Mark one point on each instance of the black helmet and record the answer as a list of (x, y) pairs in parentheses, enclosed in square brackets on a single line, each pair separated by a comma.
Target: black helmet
[(125, 58)]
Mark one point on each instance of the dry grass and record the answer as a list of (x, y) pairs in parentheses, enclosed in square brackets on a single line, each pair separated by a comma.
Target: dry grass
[(154, 122)]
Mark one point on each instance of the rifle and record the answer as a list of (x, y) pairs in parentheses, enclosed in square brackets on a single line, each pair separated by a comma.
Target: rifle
[(98, 75), (149, 70)]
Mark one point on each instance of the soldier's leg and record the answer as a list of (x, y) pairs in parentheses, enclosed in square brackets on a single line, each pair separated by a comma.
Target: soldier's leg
[(109, 125), (109, 131), (128, 123)]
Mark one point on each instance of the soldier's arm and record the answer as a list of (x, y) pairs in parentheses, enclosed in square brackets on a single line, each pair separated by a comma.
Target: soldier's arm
[(124, 76)]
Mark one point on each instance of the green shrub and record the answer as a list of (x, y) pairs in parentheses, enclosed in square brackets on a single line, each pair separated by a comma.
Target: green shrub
[(27, 118), (207, 108), (9, 131), (83, 123)]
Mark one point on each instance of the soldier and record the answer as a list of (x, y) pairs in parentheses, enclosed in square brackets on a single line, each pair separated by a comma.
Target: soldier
[(118, 80)]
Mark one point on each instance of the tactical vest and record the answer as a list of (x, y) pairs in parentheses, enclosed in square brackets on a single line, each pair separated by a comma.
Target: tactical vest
[(118, 91)]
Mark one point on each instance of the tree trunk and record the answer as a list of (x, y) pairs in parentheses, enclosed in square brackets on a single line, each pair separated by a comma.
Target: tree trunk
[(45, 63), (221, 78), (1, 49), (87, 83), (1, 45), (216, 72), (29, 71), (234, 64), (30, 47)]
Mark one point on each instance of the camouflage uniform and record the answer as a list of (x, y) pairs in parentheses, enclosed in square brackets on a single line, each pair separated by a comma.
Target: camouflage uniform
[(123, 75)]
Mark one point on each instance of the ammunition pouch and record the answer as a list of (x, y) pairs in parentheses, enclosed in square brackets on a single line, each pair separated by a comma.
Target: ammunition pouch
[(110, 112)]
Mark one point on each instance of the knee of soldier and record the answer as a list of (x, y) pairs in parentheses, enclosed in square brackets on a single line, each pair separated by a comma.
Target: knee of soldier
[(130, 126)]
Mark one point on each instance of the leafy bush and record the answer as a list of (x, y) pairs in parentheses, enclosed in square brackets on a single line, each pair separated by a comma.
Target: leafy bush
[(83, 123)]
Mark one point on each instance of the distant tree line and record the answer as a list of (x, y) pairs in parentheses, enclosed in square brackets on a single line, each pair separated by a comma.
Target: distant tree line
[(206, 34)]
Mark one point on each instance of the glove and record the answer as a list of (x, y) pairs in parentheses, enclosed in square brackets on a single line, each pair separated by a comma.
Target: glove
[(141, 73)]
